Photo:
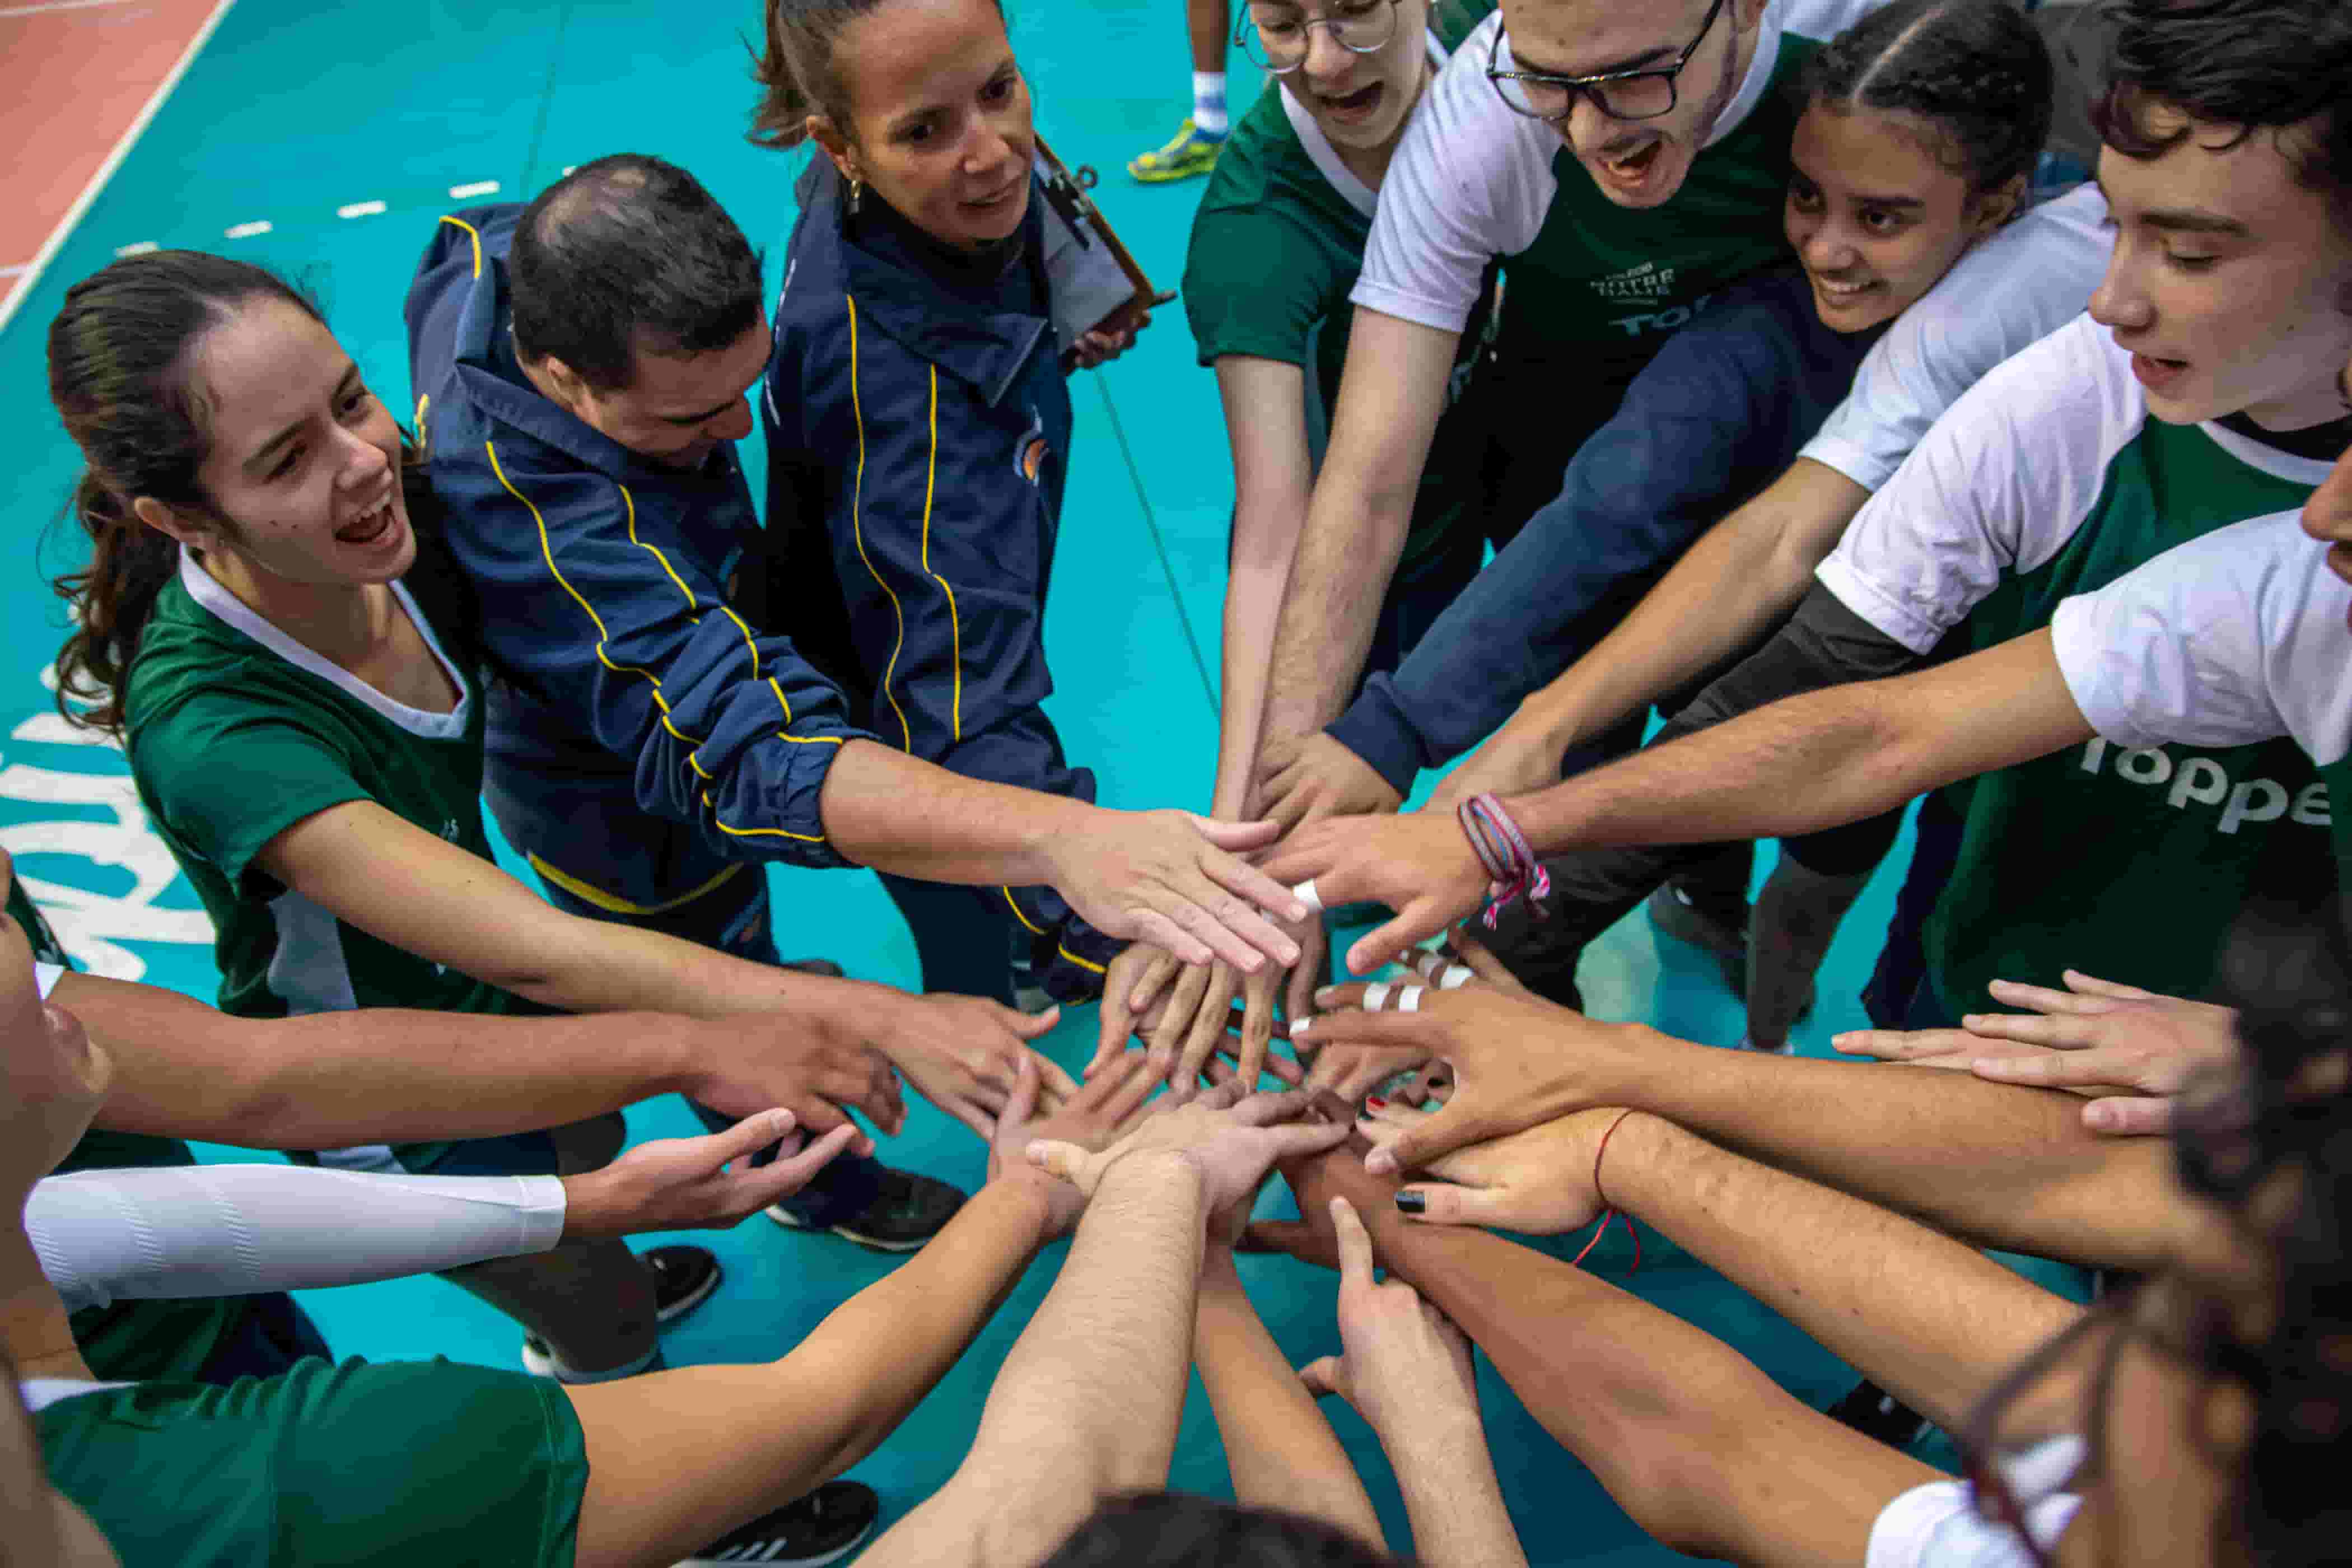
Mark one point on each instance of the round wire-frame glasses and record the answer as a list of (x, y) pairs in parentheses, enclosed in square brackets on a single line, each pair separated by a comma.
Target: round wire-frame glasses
[(1278, 43)]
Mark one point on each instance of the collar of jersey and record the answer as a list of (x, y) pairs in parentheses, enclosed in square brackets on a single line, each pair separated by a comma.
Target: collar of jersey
[(2270, 461), (987, 351), (1326, 157), (235, 613)]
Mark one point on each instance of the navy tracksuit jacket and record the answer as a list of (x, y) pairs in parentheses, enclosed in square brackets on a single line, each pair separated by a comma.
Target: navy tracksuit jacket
[(919, 431)]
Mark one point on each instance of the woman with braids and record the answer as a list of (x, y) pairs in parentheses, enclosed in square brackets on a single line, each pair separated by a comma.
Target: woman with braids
[(264, 622), (2203, 1420)]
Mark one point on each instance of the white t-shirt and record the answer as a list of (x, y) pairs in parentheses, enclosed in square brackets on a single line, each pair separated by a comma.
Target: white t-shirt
[(2002, 482), (231, 1230), (2231, 638), (2015, 288), (1938, 1526), (1472, 179)]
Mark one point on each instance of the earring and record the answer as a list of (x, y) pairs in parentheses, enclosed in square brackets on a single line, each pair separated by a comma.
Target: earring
[(856, 189)]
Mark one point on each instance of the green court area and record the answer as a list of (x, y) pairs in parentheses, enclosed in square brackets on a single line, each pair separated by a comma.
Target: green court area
[(346, 129)]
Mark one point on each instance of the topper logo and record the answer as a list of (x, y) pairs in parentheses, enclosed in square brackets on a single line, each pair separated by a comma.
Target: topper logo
[(2202, 781)]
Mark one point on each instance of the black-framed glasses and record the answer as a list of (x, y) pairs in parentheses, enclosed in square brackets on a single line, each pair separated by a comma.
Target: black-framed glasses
[(1643, 94), (1275, 36)]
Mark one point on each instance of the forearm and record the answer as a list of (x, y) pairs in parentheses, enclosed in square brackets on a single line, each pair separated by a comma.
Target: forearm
[(1086, 1403), (1253, 603), (183, 1069), (757, 1436), (1706, 1452), (1929, 1319), (899, 814), (1990, 1164), (1446, 1474), (1332, 604), (1280, 1450)]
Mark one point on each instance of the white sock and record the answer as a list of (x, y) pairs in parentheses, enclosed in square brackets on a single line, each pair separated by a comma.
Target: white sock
[(1209, 102)]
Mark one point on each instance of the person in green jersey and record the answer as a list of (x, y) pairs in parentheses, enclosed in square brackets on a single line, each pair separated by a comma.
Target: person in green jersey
[(1622, 164), (311, 748), (414, 1462), (2203, 388)]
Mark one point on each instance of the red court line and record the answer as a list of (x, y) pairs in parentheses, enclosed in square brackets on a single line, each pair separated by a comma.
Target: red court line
[(85, 78)]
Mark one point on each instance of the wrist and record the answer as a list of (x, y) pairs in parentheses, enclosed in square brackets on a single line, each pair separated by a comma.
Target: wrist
[(588, 1205), (1030, 1194), (1047, 828)]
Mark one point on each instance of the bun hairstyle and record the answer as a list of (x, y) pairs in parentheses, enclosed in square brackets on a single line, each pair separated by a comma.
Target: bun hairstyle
[(794, 70), (1978, 70), (120, 377)]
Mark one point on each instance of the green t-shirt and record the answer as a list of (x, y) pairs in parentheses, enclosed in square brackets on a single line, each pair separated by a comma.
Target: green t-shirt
[(1276, 248), (131, 1340), (402, 1464), (2048, 480), (1591, 288), (235, 732)]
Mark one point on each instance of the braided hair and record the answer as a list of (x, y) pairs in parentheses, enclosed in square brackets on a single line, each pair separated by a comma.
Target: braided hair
[(1977, 70)]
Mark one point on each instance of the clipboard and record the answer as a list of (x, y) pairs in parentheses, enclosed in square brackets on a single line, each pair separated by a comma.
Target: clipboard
[(1094, 280)]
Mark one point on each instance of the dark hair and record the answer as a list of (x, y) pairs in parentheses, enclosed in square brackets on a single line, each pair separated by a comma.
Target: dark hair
[(795, 72), (1976, 70), (2269, 1142), (2251, 65), (120, 379), (623, 255), (1170, 1529)]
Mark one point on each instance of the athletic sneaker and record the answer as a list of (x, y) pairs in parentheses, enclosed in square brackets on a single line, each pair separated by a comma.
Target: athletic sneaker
[(684, 1278), (1673, 912), (1189, 152), (909, 1211), (829, 1523)]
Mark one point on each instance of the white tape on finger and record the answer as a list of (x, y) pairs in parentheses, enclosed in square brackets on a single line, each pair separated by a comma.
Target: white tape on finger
[(1376, 996), (1304, 893), (1456, 977), (1408, 999)]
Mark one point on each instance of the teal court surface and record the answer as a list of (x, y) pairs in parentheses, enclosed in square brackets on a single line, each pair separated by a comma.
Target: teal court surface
[(323, 137)]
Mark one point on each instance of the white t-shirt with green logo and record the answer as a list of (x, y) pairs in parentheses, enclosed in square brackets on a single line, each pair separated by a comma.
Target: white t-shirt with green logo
[(1473, 180), (2049, 479)]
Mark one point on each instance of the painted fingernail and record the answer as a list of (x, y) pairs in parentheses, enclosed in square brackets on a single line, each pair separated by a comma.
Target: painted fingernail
[(1377, 1103), (1412, 1202)]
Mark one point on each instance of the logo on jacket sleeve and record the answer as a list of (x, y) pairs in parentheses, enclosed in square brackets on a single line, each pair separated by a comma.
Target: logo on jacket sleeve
[(1030, 452)]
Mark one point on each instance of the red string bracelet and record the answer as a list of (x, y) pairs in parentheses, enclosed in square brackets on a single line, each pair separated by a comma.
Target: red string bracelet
[(1609, 1210)]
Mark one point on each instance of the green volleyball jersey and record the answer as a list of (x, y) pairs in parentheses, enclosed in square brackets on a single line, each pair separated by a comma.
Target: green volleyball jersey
[(128, 1340), (237, 732), (2049, 479), (1275, 246), (1591, 288), (395, 1465)]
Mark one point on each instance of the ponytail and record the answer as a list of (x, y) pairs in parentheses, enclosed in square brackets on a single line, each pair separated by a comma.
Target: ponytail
[(120, 356)]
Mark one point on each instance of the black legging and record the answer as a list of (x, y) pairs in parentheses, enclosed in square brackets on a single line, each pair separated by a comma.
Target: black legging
[(1823, 644)]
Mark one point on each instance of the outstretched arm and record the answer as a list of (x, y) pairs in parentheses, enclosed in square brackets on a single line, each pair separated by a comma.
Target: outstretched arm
[(1703, 1451), (1281, 1451), (1088, 1402)]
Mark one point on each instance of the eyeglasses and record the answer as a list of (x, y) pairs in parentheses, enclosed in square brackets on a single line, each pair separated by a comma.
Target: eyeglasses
[(1643, 94), (1276, 38)]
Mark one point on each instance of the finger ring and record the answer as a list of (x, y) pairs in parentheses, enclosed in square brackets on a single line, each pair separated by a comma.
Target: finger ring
[(1304, 893), (1408, 999), (1376, 996), (1455, 976)]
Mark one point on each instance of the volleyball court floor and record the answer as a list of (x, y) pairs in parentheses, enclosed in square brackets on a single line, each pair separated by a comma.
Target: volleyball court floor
[(322, 138)]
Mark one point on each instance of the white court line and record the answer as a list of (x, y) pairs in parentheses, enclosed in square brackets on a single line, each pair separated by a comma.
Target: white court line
[(136, 247), (59, 5), (479, 188), (359, 209), (57, 241), (245, 230)]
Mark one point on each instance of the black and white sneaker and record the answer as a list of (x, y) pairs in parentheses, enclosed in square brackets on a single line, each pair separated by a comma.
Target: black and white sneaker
[(829, 1523), (684, 1278), (1673, 912), (909, 1211), (1874, 1412)]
